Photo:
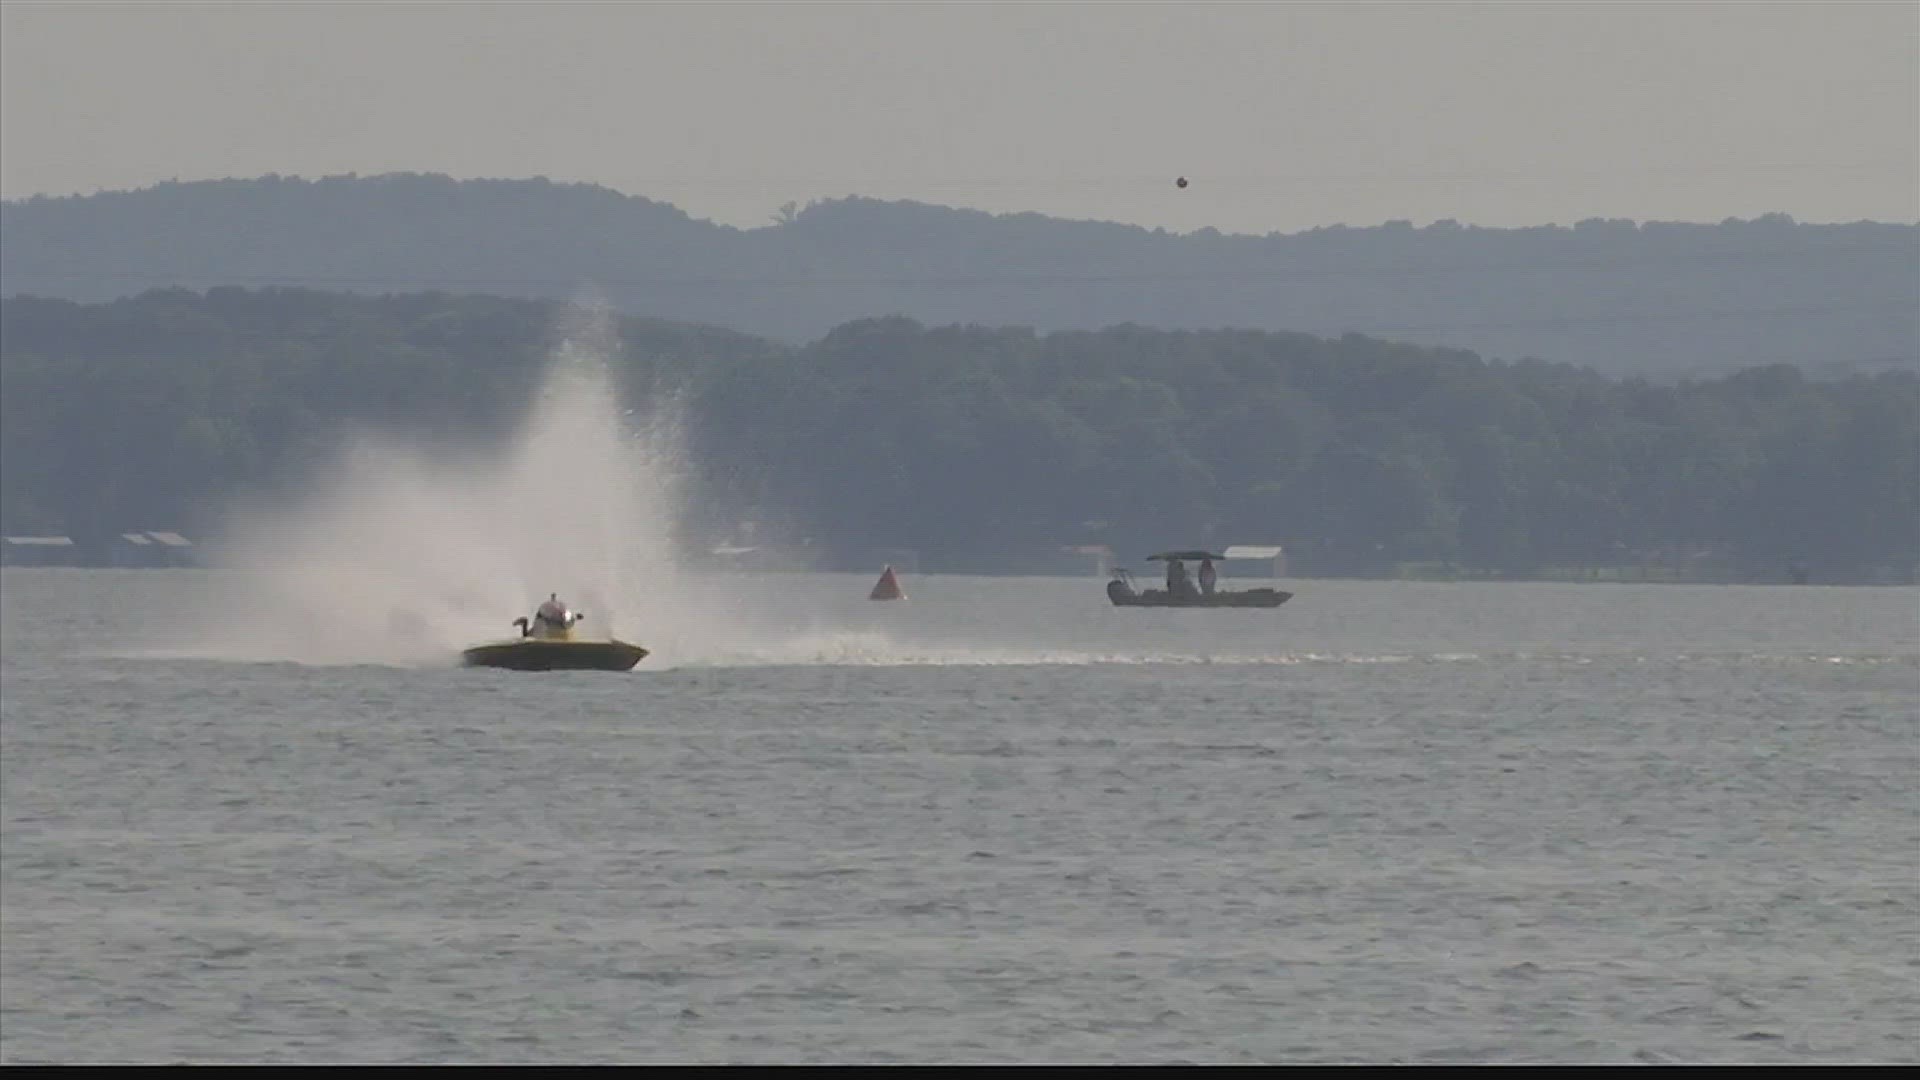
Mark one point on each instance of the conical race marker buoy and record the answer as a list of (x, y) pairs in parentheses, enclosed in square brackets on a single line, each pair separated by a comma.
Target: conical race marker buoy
[(887, 588)]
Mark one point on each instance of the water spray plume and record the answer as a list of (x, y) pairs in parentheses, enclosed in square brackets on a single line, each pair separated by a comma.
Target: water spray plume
[(405, 554)]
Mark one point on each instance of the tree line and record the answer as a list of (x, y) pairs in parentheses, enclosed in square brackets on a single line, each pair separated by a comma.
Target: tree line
[(967, 443)]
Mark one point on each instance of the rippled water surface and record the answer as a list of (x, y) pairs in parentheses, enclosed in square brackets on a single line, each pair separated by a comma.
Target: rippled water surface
[(1000, 822)]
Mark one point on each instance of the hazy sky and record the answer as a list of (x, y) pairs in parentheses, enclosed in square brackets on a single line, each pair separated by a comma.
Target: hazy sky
[(1284, 116)]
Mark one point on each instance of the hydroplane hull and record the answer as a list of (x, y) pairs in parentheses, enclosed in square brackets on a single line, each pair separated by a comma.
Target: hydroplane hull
[(535, 654)]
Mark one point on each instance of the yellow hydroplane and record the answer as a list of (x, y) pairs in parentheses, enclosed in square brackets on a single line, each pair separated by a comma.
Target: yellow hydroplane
[(547, 643)]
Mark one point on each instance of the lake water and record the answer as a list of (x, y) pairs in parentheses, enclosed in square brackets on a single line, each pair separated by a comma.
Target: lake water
[(1000, 822)]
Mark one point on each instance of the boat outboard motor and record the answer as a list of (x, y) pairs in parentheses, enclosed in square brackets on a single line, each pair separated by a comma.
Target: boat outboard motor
[(1118, 590)]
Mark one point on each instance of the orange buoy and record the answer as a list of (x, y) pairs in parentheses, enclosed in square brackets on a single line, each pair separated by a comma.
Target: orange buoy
[(888, 587)]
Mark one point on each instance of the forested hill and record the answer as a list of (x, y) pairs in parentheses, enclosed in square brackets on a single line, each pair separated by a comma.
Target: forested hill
[(1654, 299), (974, 444)]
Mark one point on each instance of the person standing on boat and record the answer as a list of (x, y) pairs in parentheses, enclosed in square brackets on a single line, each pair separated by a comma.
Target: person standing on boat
[(1207, 577), (1176, 578)]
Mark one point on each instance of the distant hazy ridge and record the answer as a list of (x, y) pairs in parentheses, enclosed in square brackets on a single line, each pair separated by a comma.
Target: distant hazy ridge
[(1654, 299)]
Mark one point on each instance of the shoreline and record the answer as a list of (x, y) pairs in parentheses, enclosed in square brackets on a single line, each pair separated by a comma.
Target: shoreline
[(1864, 578)]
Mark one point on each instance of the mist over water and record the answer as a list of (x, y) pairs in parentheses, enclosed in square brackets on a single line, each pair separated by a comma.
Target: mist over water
[(405, 553)]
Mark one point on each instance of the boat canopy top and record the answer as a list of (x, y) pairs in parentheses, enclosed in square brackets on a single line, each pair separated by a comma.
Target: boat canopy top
[(1237, 551)]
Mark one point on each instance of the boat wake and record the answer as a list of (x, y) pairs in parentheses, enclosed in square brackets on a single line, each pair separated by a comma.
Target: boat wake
[(855, 649)]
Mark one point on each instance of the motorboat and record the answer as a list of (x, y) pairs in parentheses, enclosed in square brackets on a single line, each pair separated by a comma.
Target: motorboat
[(1182, 593), (550, 644)]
